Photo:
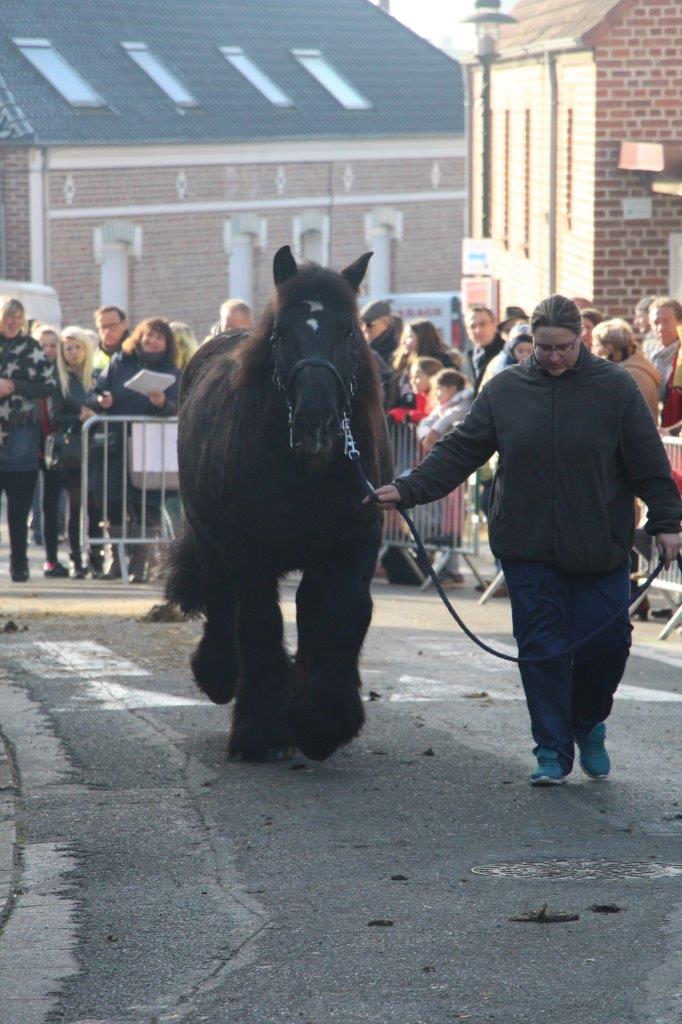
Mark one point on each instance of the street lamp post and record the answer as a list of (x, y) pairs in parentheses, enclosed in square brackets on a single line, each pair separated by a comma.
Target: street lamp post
[(487, 20)]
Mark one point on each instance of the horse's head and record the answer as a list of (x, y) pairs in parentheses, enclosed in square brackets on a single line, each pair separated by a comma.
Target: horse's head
[(315, 345)]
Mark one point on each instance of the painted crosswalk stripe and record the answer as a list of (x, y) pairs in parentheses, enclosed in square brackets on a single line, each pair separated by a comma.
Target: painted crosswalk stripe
[(84, 658), (114, 697)]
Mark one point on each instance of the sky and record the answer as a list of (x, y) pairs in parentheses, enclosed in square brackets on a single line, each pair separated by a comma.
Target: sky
[(438, 19)]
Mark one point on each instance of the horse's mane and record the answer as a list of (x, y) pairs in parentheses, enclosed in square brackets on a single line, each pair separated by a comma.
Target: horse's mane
[(251, 372)]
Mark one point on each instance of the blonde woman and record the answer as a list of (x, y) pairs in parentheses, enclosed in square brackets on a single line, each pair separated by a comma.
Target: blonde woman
[(75, 358), (186, 343)]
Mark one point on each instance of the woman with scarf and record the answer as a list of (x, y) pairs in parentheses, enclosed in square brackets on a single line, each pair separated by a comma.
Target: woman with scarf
[(151, 346), (25, 375)]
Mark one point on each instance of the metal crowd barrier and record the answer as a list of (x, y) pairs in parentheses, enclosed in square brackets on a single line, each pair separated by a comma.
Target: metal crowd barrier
[(669, 582), (449, 525), (129, 483)]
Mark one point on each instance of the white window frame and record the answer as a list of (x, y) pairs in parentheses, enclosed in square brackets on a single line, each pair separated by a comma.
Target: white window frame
[(312, 222), (115, 244), (58, 73), (249, 70), (169, 84), (317, 65), (242, 235), (383, 226)]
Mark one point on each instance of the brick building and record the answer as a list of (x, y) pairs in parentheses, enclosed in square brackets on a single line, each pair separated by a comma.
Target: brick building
[(579, 204), (158, 156)]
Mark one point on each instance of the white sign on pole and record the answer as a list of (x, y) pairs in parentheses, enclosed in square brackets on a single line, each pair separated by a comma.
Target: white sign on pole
[(477, 257)]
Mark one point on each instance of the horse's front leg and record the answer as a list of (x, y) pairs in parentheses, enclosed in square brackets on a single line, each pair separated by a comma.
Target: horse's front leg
[(335, 613), (260, 729)]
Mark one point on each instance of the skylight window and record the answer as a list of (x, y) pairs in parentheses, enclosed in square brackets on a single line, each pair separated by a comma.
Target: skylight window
[(253, 74), (59, 73), (320, 68), (165, 80)]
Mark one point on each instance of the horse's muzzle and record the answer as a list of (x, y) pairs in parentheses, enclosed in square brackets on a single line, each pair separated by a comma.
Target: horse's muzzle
[(315, 438)]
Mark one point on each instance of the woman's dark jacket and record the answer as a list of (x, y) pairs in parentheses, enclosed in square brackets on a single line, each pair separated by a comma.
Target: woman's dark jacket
[(126, 403), (574, 452), (66, 409)]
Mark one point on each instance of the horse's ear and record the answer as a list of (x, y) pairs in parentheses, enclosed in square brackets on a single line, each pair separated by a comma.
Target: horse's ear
[(355, 273), (284, 265)]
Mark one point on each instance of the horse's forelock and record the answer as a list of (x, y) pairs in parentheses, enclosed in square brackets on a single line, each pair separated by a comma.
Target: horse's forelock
[(310, 283), (318, 284)]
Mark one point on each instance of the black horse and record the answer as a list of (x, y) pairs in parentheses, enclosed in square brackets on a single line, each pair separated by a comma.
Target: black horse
[(267, 488)]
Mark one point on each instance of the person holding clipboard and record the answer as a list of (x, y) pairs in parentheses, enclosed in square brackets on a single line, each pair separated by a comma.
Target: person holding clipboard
[(141, 380)]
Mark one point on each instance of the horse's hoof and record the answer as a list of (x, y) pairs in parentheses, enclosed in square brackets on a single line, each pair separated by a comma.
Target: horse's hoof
[(266, 756)]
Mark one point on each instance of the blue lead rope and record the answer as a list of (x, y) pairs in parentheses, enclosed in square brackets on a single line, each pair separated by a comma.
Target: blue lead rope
[(354, 455)]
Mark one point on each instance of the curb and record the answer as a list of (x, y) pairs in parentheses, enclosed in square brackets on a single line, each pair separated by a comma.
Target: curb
[(8, 833)]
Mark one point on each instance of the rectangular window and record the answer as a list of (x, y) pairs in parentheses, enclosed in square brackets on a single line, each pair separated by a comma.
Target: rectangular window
[(328, 77), (159, 74), (59, 73), (569, 170), (253, 74), (507, 176), (527, 187)]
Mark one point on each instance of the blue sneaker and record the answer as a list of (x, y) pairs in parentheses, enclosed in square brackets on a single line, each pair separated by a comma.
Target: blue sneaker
[(549, 771), (594, 759)]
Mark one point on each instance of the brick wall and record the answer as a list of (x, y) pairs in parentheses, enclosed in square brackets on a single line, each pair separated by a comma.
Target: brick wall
[(183, 269), (519, 180), (639, 98), (14, 183), (575, 253)]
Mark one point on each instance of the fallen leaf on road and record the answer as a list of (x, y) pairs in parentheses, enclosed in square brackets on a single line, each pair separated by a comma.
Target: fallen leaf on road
[(428, 753), (477, 696), (381, 922), (399, 878), (544, 916), (299, 767), (373, 695), (605, 908), (10, 627)]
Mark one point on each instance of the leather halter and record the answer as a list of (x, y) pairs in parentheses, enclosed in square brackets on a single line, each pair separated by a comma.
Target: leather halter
[(347, 386)]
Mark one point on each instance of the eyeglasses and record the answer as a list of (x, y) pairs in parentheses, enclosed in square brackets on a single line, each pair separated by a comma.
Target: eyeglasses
[(546, 350)]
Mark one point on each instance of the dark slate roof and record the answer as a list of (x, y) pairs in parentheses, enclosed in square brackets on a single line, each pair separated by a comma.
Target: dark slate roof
[(541, 22), (413, 87)]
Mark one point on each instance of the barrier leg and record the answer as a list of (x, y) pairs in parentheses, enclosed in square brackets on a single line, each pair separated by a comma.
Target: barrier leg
[(120, 547), (439, 563), (472, 565), (671, 624), (491, 590)]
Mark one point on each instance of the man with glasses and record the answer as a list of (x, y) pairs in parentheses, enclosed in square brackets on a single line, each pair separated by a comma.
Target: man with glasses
[(577, 443)]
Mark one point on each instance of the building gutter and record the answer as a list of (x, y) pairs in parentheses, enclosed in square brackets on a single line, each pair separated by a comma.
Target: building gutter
[(468, 128), (553, 169)]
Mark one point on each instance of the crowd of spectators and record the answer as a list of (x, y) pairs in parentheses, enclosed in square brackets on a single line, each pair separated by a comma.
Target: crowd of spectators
[(52, 381)]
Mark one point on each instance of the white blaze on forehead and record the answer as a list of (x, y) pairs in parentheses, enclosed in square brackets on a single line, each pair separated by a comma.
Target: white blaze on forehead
[(312, 324), (315, 307)]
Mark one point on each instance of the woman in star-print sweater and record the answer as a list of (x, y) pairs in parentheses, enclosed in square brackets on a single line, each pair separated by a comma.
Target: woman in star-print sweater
[(25, 375)]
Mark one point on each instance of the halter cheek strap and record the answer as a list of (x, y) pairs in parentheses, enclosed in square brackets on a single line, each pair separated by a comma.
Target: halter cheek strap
[(347, 387)]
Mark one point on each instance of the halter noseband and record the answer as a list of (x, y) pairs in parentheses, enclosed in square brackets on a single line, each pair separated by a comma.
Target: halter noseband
[(347, 386)]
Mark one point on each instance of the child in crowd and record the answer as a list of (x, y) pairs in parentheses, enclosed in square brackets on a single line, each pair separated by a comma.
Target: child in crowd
[(423, 370), (453, 398)]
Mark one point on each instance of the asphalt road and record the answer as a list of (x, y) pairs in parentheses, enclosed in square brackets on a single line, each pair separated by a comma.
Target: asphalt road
[(152, 881)]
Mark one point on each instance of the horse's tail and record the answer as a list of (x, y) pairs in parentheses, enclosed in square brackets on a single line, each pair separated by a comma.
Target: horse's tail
[(186, 582)]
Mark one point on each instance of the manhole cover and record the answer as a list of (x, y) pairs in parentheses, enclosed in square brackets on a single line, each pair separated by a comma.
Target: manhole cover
[(601, 870)]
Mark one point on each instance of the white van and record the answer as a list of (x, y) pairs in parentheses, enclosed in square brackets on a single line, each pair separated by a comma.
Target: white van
[(443, 309), (39, 300)]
